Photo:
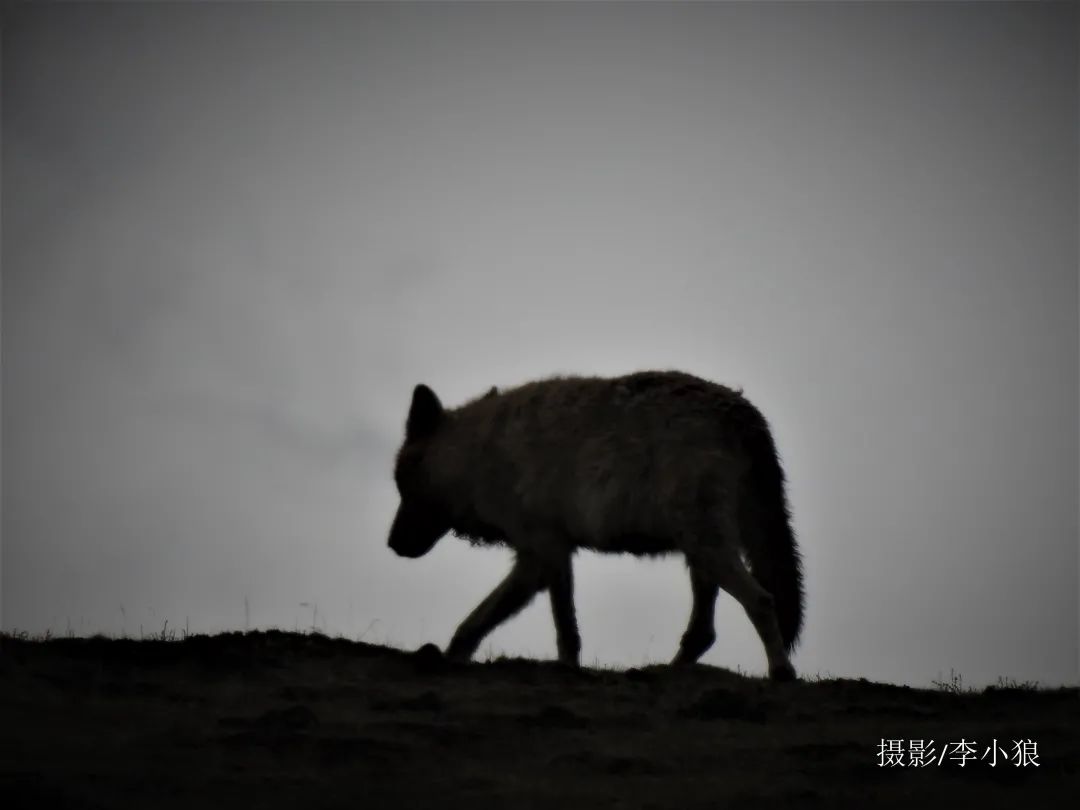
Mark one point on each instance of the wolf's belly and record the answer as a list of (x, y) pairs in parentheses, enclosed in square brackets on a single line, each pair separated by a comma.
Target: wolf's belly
[(631, 543)]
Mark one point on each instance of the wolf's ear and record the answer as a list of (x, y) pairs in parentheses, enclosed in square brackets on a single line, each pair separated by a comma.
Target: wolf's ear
[(425, 413)]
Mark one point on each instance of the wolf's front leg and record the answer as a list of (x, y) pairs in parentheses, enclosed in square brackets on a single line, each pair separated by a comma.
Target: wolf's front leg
[(561, 590), (700, 633), (524, 581)]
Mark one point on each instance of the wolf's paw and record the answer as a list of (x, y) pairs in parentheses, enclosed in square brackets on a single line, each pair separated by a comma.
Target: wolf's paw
[(782, 673), (429, 658), (458, 655)]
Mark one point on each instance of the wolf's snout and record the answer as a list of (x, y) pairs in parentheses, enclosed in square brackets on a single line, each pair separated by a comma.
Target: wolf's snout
[(404, 551), (414, 532)]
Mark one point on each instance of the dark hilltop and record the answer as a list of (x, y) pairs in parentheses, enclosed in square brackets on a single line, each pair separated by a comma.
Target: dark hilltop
[(272, 719)]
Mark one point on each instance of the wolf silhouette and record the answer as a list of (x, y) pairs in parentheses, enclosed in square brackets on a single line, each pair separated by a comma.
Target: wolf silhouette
[(647, 463)]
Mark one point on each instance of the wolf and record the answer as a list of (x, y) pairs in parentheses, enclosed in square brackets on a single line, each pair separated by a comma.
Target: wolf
[(647, 463)]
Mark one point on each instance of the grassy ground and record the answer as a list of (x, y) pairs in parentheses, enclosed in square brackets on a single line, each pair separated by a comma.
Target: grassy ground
[(274, 719)]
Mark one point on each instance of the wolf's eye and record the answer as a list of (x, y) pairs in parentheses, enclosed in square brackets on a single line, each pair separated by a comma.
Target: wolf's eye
[(407, 469)]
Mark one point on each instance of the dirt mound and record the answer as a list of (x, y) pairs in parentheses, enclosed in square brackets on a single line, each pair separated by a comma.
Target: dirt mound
[(275, 719)]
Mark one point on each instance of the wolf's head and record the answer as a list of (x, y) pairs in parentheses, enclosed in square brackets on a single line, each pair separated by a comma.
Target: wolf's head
[(422, 519)]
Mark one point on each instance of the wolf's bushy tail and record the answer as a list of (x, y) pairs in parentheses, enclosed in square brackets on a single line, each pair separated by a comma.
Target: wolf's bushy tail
[(768, 539)]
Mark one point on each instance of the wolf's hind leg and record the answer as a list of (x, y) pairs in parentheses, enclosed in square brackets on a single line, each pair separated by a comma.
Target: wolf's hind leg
[(700, 633), (736, 579), (561, 590), (524, 581)]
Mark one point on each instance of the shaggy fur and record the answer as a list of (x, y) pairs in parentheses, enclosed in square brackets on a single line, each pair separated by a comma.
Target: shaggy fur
[(647, 463)]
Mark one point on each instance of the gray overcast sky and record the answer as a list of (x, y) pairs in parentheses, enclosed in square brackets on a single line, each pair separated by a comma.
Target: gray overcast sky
[(235, 236)]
